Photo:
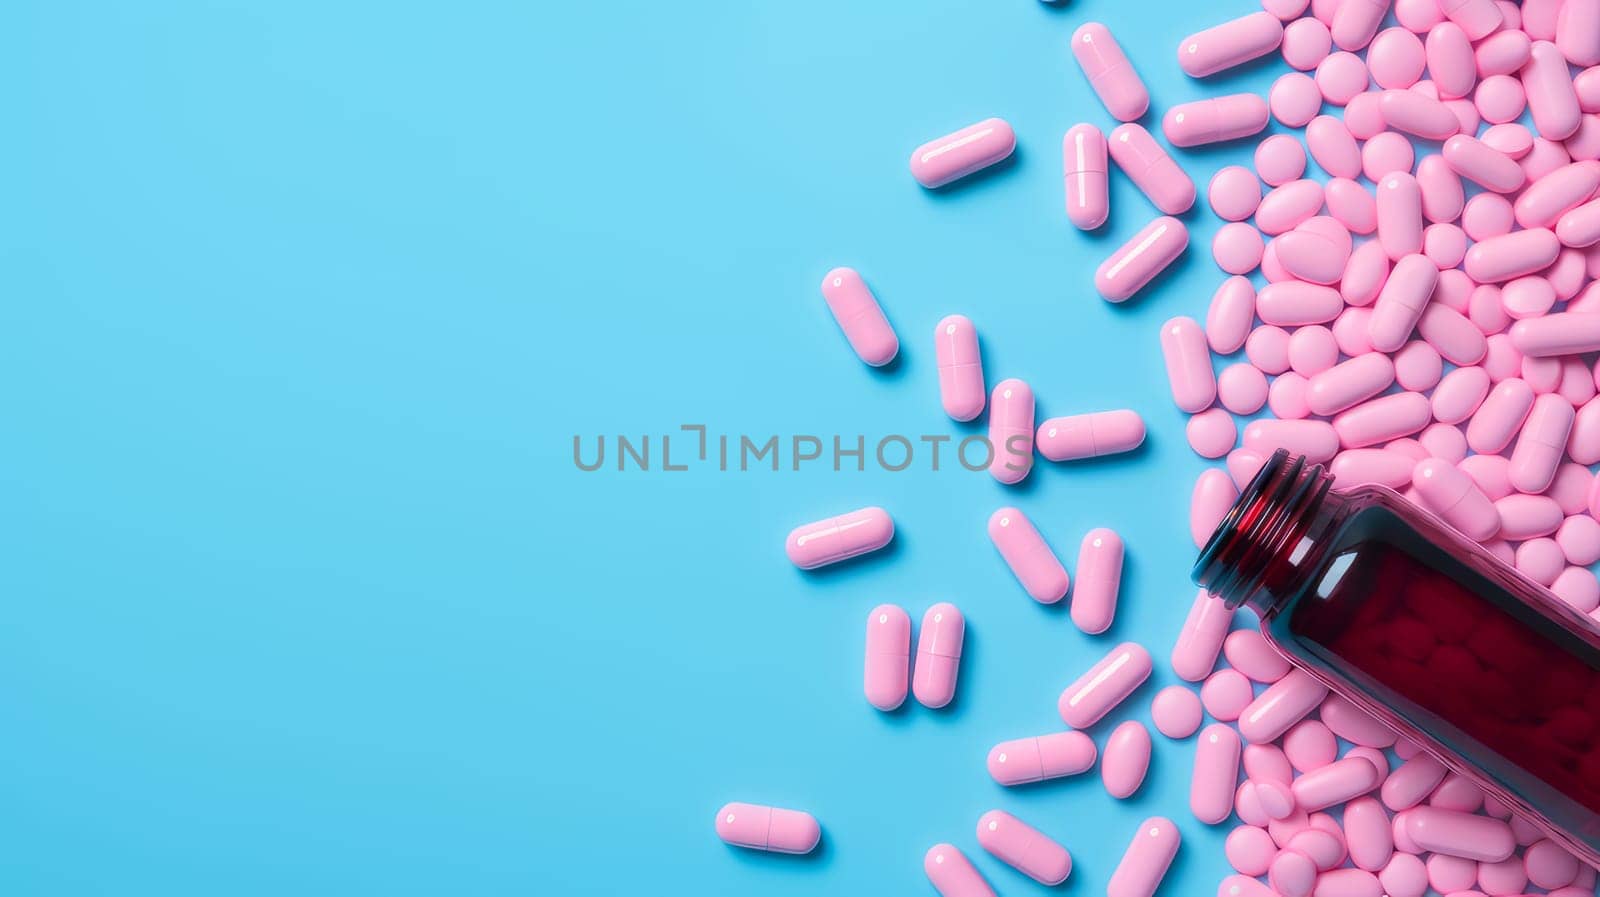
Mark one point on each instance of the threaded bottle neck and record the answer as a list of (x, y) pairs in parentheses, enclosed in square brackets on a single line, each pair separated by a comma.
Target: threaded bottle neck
[(1248, 558)]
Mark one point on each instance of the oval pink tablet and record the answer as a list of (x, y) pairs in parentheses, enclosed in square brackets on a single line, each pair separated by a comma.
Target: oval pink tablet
[(952, 874), (1411, 783), (1442, 195), (1026, 760), (1109, 72), (1127, 759), (938, 655), (1251, 654), (1216, 768), (1551, 97), (1146, 860), (1450, 60), (1090, 435), (958, 154), (1094, 605), (960, 368), (1478, 162), (1333, 147), (888, 661), (1024, 848), (1011, 431), (1382, 419), (1027, 554), (1139, 260), (1105, 685), (1288, 205), (836, 539), (768, 828), (1176, 712), (859, 316), (1151, 169), (1367, 834), (1316, 251), (1415, 113)]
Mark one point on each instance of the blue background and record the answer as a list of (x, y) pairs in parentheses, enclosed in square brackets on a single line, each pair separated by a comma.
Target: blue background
[(303, 304)]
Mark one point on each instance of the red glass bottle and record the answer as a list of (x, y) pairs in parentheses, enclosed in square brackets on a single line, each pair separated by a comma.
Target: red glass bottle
[(1427, 631)]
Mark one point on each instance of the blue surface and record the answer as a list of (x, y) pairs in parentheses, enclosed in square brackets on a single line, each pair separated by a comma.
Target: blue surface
[(303, 306)]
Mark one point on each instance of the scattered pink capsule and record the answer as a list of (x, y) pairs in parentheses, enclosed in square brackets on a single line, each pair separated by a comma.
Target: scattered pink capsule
[(1354, 467), (1400, 215), (1109, 72), (1183, 345), (1094, 604), (1215, 120), (1512, 255), (1151, 169), (1293, 303), (1487, 167), (1283, 704), (1200, 641), (1335, 783), (1011, 431), (1545, 200), (1452, 495), (1146, 860), (1315, 439), (952, 873), (1137, 262), (1382, 419), (888, 662), (1105, 685), (1028, 555), (1024, 848), (768, 828), (1216, 768), (1542, 443), (1083, 170), (938, 655), (1229, 44), (1458, 834), (835, 539), (1355, 22), (860, 316), (1090, 435), (960, 368), (1551, 97), (1527, 516), (1500, 416), (956, 155), (1026, 760), (1127, 759), (1565, 333)]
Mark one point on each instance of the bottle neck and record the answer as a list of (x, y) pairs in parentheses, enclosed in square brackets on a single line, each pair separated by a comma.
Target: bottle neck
[(1262, 550)]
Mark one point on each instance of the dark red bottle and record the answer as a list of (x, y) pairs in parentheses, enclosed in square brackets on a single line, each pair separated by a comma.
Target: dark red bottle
[(1426, 630)]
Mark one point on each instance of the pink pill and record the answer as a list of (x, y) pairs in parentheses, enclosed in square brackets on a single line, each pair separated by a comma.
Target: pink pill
[(1109, 72), (1249, 849), (1354, 467), (1460, 834), (1527, 297), (1404, 876), (1287, 396), (1490, 473), (960, 367), (1568, 274), (1351, 330), (1545, 156), (1584, 443), (1396, 57), (1454, 291), (1249, 653), (1335, 783), (1188, 360), (1288, 205), (1548, 198), (1216, 768), (1511, 138), (1502, 361), (1512, 255), (1215, 120), (1455, 337), (1195, 653), (1486, 215), (1237, 248), (1442, 195), (1214, 494), (1267, 763), (1551, 97), (1283, 704), (1502, 879), (1242, 389), (1310, 745), (1151, 169), (1139, 260), (1444, 245), (1028, 555), (1090, 435), (1104, 686), (1385, 154), (834, 539), (1275, 798), (1587, 87), (1268, 349), (1083, 172), (1540, 560), (956, 155), (1456, 793), (1024, 848), (1401, 301), (1570, 488), (1229, 44), (1527, 516), (938, 655), (1486, 313), (1584, 144), (1400, 218), (1094, 605), (1315, 439), (952, 873), (1341, 76), (1579, 540), (1364, 276), (1306, 42), (1325, 848), (1478, 18), (1500, 99), (1011, 431), (1367, 834), (1294, 303), (1354, 724), (888, 660), (859, 316), (1568, 333), (1234, 193), (1280, 159), (1146, 860), (1362, 116), (1413, 112), (1317, 251), (1127, 759), (1212, 433), (1410, 784), (1444, 441), (1347, 883), (768, 828), (1026, 760), (1225, 694), (1542, 443), (1312, 350), (1243, 886), (1578, 588), (1292, 874), (1295, 99), (1356, 21), (1453, 496), (1176, 712), (1549, 866), (1580, 227), (1476, 161), (1418, 15), (1450, 59), (1333, 148)]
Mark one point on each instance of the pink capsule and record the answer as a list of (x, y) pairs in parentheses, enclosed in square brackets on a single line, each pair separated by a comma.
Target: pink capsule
[(1293, 303), (1183, 345), (1026, 760), (1500, 416), (1459, 394), (1011, 431), (1315, 439), (1288, 205), (1458, 834), (1216, 768), (1382, 419), (1555, 194), (1567, 333), (1401, 301), (1356, 21), (888, 662), (1109, 72), (1094, 605), (1028, 555), (1127, 759), (1400, 215), (1527, 516), (1024, 848), (1349, 383), (1090, 435), (1146, 860), (1489, 168), (1551, 97), (960, 367), (1335, 783), (1478, 18), (1452, 334), (1283, 704), (956, 155), (952, 873), (1541, 444), (768, 828), (1151, 169), (1502, 258), (1195, 653), (1580, 227), (1347, 883), (1244, 886), (1215, 120), (1355, 467), (1105, 685), (1411, 783), (1229, 44), (1442, 195), (859, 316), (835, 539), (1083, 168), (1453, 496), (1415, 113), (938, 655), (1139, 260)]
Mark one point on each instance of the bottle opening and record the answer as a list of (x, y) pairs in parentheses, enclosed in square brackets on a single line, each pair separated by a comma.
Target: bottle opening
[(1250, 542)]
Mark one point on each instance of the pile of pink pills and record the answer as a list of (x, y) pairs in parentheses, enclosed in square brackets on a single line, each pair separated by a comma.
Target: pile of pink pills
[(1426, 317)]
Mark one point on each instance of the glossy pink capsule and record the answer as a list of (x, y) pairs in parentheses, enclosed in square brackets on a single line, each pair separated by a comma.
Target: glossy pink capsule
[(1024, 848), (888, 663), (1188, 359), (961, 389), (1565, 333), (1283, 704), (1139, 260), (1502, 258), (1542, 443), (1454, 497), (1349, 383), (1483, 165), (1146, 860), (1028, 555), (1230, 315), (834, 539), (938, 655), (1551, 97), (768, 828), (1215, 120), (1026, 760), (1401, 301), (1400, 215), (1083, 169), (1457, 834), (1109, 72), (956, 155), (1335, 783), (1011, 431), (1229, 44), (859, 316), (1419, 114), (1090, 435), (1315, 439), (1478, 18), (1216, 768), (1195, 652), (1354, 467), (952, 874), (1094, 604), (1151, 169), (1105, 685), (1127, 759)]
